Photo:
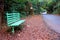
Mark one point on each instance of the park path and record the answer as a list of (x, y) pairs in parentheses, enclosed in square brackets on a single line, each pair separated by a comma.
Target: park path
[(34, 29), (53, 21)]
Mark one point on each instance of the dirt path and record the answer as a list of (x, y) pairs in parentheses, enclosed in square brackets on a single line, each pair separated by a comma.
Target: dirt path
[(34, 29)]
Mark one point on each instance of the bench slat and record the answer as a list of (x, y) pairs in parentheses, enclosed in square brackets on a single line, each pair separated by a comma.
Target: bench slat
[(18, 23)]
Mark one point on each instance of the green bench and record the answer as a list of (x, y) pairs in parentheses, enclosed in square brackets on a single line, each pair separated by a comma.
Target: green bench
[(13, 20)]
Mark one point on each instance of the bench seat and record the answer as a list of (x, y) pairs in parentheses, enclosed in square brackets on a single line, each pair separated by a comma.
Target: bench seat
[(17, 23)]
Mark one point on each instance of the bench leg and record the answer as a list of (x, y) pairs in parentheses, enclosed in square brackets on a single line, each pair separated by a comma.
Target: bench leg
[(13, 30)]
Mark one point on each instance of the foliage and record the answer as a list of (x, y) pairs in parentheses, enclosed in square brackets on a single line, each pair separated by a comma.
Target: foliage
[(51, 6), (57, 8)]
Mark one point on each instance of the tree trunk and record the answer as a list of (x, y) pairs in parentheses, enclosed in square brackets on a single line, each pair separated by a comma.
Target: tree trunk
[(29, 8), (1, 15), (0, 19)]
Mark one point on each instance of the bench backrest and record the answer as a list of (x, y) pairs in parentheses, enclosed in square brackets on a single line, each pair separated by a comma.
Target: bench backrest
[(12, 17)]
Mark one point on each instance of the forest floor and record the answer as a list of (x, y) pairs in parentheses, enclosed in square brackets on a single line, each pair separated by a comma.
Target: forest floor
[(34, 29)]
